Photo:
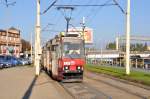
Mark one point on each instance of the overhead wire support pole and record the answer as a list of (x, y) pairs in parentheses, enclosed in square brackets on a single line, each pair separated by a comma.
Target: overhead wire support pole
[(37, 41), (31, 48), (128, 24), (83, 36), (128, 39), (117, 43)]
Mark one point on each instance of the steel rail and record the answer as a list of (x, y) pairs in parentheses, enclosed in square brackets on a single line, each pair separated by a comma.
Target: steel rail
[(115, 86)]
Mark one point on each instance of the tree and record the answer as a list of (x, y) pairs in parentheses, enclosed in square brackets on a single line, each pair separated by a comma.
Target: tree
[(26, 46), (111, 46), (145, 47), (139, 47), (0, 50)]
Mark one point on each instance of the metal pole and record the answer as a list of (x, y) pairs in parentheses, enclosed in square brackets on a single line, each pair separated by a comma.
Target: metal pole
[(135, 63), (83, 30), (128, 39), (7, 42), (31, 46), (101, 51), (67, 19), (117, 43), (35, 47), (38, 47)]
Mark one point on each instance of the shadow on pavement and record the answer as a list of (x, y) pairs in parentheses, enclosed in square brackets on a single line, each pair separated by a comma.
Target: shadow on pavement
[(29, 91), (46, 82)]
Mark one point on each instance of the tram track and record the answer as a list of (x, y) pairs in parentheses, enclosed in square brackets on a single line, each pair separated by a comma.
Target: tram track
[(119, 87), (94, 88), (83, 91)]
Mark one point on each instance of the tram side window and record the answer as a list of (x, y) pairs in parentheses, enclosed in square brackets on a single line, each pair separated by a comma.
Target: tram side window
[(53, 48), (58, 51)]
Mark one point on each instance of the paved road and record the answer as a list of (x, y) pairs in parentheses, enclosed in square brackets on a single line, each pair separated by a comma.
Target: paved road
[(21, 83)]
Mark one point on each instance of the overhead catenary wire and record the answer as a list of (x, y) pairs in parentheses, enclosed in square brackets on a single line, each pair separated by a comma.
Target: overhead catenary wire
[(122, 10), (99, 8), (49, 7), (85, 9), (115, 3), (86, 5), (92, 8), (67, 18), (8, 4), (76, 5), (67, 5), (77, 30)]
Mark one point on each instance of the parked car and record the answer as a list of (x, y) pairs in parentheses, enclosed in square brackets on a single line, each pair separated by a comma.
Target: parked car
[(22, 61), (1, 66), (13, 60), (10, 59), (5, 64), (30, 60)]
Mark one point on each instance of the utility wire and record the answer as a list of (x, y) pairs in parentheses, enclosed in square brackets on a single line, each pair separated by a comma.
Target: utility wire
[(122, 10), (49, 7), (92, 8), (84, 5), (77, 30), (99, 8), (81, 10), (8, 4), (47, 26)]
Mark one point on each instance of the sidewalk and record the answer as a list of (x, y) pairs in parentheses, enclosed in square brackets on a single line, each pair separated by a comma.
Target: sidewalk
[(21, 83)]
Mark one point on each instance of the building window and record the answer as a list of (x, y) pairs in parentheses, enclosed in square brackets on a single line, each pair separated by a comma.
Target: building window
[(4, 37), (3, 34), (12, 35), (15, 36)]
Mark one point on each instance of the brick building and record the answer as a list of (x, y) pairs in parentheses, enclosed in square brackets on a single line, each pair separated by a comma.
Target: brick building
[(10, 41)]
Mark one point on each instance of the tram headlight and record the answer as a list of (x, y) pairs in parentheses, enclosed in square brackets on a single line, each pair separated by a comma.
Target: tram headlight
[(78, 68), (66, 67)]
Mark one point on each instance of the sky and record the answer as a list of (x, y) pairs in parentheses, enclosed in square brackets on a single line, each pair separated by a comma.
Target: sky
[(107, 22)]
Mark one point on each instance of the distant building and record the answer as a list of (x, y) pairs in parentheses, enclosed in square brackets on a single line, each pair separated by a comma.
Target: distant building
[(10, 41), (111, 55), (148, 48)]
